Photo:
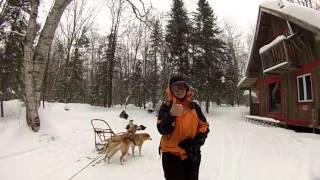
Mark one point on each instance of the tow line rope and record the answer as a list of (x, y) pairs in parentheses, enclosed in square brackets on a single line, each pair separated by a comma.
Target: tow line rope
[(86, 166)]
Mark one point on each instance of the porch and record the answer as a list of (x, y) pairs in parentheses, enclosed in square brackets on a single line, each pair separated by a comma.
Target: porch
[(262, 120), (282, 54)]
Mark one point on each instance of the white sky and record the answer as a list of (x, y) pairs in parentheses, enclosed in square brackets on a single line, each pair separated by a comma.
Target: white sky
[(243, 13)]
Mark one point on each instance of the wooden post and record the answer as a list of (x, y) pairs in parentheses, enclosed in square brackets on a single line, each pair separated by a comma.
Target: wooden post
[(1, 107), (286, 51), (1, 96), (262, 56), (250, 101)]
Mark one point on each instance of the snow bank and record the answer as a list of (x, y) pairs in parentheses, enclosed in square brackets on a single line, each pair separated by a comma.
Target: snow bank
[(12, 108)]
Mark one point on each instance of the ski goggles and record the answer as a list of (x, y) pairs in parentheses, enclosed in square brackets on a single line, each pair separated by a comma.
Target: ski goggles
[(179, 85)]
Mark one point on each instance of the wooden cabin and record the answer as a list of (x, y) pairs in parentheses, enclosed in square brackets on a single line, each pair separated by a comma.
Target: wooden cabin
[(284, 64)]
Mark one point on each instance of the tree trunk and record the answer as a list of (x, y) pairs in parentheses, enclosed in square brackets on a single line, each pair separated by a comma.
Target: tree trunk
[(36, 61), (1, 107), (207, 104), (105, 97), (111, 59), (1, 95), (31, 102)]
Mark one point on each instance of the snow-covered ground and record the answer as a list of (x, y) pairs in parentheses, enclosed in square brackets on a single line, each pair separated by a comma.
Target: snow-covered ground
[(234, 150)]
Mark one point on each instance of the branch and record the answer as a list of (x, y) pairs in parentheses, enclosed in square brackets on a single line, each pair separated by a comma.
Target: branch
[(23, 34), (141, 17)]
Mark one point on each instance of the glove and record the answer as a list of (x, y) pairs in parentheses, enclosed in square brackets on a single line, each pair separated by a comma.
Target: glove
[(187, 144), (200, 138), (192, 149)]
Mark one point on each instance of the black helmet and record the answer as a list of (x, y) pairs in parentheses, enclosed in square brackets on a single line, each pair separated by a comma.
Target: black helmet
[(176, 78)]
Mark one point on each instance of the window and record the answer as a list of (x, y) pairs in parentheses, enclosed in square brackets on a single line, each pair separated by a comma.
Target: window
[(304, 84)]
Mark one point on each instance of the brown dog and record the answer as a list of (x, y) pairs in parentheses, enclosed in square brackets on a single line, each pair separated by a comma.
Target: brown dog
[(113, 145), (122, 143), (138, 140)]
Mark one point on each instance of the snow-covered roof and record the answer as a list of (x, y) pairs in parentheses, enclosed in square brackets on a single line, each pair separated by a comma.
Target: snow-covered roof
[(241, 81), (305, 17), (300, 13)]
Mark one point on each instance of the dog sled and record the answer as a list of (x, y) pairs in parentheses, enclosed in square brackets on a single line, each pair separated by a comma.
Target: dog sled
[(102, 133)]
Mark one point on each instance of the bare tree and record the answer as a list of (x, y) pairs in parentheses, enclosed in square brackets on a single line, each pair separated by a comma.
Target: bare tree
[(3, 5), (116, 8), (77, 17), (37, 49), (237, 56)]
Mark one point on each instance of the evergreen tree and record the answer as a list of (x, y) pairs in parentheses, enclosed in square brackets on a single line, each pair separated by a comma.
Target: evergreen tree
[(99, 73), (231, 75), (55, 81), (155, 55), (13, 27), (76, 78), (177, 38), (207, 50)]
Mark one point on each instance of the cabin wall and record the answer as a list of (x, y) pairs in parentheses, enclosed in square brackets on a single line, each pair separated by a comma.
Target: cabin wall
[(317, 91), (301, 113), (263, 97), (287, 94), (278, 27), (292, 112), (312, 51), (315, 45)]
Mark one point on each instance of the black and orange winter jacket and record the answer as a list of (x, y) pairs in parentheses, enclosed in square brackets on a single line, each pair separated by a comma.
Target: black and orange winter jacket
[(176, 129)]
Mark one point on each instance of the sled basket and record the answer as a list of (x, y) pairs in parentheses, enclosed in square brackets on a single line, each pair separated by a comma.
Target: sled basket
[(102, 132)]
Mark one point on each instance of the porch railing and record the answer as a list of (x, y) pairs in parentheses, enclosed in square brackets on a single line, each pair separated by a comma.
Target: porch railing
[(281, 56)]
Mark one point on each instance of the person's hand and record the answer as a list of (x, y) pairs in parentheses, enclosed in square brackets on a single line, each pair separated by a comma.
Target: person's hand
[(176, 109), (192, 149)]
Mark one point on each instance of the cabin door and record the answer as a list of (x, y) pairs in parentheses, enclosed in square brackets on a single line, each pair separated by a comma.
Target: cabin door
[(274, 94)]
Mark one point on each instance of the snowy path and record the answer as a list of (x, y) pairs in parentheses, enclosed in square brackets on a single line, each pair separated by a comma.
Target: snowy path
[(234, 150)]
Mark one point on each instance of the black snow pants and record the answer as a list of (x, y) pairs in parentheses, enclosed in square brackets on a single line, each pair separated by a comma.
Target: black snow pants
[(176, 169)]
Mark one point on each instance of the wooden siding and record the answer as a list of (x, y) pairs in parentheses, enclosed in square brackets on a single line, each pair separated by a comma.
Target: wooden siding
[(301, 112), (292, 111), (303, 50), (317, 91)]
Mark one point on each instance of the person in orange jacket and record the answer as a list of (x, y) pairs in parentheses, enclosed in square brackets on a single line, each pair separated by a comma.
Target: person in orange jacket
[(184, 130)]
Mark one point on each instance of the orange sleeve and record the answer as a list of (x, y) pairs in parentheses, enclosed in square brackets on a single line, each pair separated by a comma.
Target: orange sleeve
[(203, 126)]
